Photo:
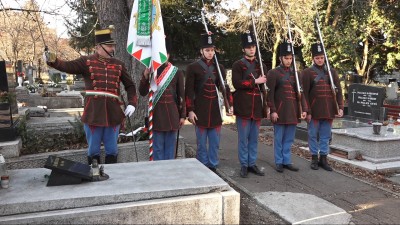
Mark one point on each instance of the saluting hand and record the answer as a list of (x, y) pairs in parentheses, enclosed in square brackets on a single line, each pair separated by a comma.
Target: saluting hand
[(49, 56), (192, 117)]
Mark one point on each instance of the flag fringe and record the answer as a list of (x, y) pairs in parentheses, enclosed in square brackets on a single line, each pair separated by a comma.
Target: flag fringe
[(143, 41)]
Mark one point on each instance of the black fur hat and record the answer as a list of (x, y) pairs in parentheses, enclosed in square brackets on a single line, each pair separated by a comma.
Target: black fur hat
[(317, 49), (248, 39), (285, 49), (206, 41)]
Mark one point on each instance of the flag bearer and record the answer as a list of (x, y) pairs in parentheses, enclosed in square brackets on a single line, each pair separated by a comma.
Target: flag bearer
[(169, 106)]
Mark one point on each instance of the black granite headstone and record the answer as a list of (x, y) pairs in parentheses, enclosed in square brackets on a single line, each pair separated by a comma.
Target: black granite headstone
[(366, 101), (5, 107), (3, 77), (65, 172)]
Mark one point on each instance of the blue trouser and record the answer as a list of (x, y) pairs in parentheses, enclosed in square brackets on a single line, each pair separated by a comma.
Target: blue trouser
[(208, 158), (323, 129), (248, 130), (108, 135), (283, 140), (164, 143)]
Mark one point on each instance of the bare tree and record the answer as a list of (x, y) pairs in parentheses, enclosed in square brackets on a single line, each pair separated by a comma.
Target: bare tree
[(270, 20), (24, 35)]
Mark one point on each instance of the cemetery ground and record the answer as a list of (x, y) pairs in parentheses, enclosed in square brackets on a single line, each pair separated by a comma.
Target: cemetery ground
[(376, 178), (251, 212), (368, 196)]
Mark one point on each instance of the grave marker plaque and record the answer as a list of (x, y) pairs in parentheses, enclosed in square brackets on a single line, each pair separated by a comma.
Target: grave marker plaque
[(365, 101), (65, 172)]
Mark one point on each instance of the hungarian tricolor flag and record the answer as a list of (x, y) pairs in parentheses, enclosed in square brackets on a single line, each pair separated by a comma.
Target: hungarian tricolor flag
[(146, 38)]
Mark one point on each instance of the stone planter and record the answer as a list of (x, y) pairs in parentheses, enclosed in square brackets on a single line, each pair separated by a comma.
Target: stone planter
[(54, 89)]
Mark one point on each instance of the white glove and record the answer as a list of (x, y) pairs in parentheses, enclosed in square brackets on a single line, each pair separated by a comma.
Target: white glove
[(130, 109), (49, 57)]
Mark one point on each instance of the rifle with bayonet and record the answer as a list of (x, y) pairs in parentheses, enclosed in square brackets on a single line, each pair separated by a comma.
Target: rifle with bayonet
[(299, 89), (265, 108), (222, 81), (333, 87)]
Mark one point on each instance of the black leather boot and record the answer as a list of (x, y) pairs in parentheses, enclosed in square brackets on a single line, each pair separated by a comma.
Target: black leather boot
[(110, 159), (324, 163), (90, 159), (314, 162), (254, 169), (243, 171)]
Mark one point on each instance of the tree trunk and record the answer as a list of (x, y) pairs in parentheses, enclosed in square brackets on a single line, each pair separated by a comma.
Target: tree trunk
[(117, 13), (328, 13), (364, 64), (338, 13), (275, 51)]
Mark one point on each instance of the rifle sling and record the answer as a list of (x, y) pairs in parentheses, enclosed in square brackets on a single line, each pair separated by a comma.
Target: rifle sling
[(209, 74)]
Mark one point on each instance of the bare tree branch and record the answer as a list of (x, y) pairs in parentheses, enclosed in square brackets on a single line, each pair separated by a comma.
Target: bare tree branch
[(30, 10)]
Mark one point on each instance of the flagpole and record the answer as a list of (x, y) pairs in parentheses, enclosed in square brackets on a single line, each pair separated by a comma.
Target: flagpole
[(151, 98)]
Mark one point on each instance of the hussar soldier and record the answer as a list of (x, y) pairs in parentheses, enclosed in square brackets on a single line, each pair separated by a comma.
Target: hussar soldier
[(203, 104), (102, 115), (248, 103), (321, 106), (169, 106), (283, 103)]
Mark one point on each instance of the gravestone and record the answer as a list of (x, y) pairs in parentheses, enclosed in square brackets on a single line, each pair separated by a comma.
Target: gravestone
[(12, 84), (65, 172), (5, 107), (366, 101), (79, 85), (29, 72), (3, 76)]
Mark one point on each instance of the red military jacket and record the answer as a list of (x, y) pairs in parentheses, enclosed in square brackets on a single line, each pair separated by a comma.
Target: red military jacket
[(282, 96), (201, 93), (170, 108), (247, 99), (318, 93), (102, 76)]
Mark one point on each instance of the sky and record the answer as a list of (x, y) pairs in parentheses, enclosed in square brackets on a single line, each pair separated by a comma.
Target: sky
[(54, 21)]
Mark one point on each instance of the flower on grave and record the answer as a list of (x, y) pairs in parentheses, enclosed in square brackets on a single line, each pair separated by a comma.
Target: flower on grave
[(32, 87), (53, 85), (4, 97), (20, 74)]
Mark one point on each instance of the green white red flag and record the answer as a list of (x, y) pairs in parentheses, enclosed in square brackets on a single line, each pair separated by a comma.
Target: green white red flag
[(145, 20)]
